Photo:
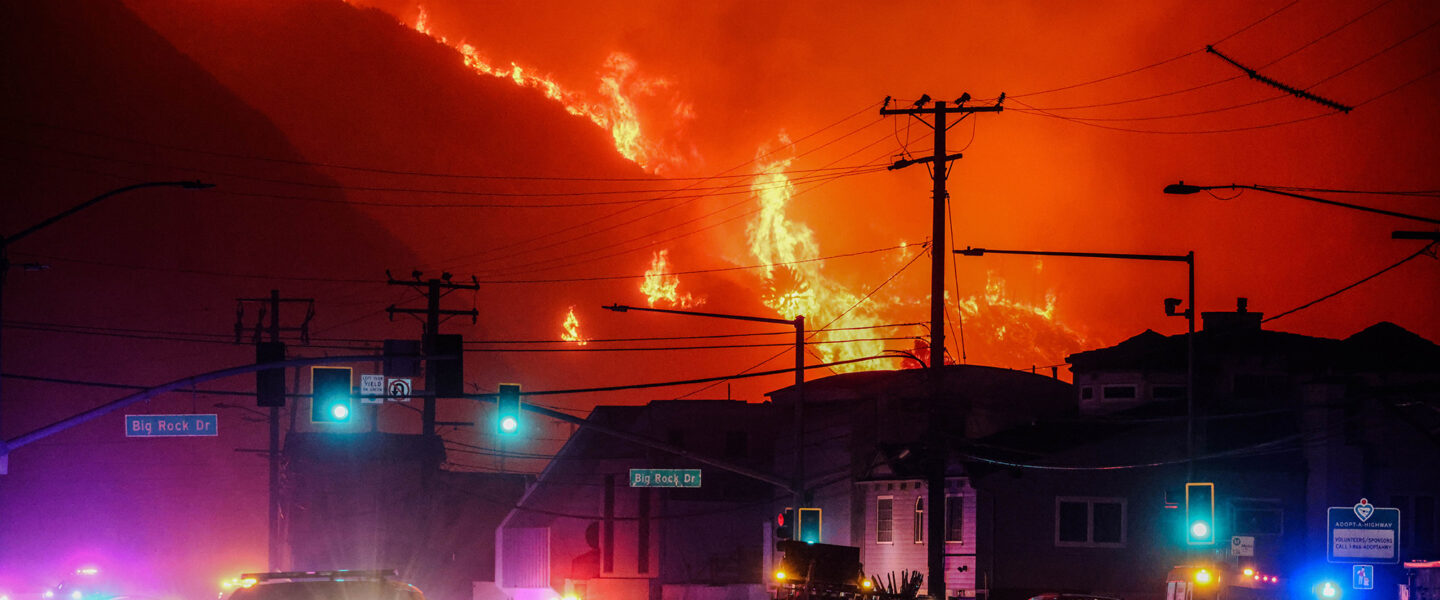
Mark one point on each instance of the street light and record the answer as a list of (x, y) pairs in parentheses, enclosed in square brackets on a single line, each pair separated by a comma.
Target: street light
[(1184, 189), (799, 323), (1170, 305), (5, 254)]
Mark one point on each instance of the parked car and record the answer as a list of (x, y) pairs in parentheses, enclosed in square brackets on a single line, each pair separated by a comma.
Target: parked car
[(325, 585)]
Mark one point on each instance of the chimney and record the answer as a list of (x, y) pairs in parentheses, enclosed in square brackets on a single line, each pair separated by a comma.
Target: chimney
[(1230, 322)]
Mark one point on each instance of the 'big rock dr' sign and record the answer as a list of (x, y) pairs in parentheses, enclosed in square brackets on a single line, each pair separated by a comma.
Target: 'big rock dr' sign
[(1363, 533), (171, 425)]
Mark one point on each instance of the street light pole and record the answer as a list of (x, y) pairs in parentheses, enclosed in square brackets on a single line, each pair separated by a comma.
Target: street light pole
[(1189, 314), (798, 322), (5, 243), (1184, 189)]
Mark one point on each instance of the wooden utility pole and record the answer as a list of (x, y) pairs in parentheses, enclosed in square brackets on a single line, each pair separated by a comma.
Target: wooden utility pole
[(435, 289), (935, 436), (274, 330)]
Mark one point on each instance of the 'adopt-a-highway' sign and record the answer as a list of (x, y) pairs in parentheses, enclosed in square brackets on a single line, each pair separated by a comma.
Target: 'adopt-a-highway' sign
[(1363, 533)]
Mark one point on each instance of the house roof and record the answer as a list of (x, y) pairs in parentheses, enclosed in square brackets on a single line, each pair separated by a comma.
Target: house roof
[(1383, 346), (973, 380)]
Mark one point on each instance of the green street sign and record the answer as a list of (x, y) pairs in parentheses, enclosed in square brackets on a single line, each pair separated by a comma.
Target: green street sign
[(678, 478)]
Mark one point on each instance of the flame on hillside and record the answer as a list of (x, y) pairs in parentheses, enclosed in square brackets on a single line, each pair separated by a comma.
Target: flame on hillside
[(615, 109), (571, 329), (661, 284), (793, 287), (1008, 332)]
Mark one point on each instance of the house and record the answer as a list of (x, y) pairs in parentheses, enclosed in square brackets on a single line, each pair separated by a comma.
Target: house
[(583, 528), (1286, 426), (863, 439)]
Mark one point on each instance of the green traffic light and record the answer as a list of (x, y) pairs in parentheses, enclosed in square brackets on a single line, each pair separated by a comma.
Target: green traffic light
[(507, 405), (330, 394), (1200, 514), (1199, 530)]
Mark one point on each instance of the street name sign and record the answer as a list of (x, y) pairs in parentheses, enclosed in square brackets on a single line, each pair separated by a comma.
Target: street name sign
[(680, 478), (1363, 533), (171, 426)]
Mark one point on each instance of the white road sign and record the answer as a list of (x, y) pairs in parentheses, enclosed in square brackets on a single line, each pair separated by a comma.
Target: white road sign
[(371, 386), (1242, 545)]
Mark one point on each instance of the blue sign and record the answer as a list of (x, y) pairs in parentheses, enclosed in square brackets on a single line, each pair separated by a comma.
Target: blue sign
[(1362, 577), (1363, 533), (171, 425), (681, 478)]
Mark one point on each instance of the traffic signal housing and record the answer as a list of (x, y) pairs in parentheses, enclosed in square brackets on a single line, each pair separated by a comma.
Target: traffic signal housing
[(785, 525), (507, 420), (1200, 514), (270, 383), (330, 394), (809, 525), (447, 360)]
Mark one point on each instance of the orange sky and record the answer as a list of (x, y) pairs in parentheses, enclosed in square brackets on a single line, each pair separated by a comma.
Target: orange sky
[(745, 72), (266, 99)]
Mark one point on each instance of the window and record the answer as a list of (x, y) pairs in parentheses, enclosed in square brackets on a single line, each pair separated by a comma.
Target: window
[(885, 520), (954, 519), (1117, 392), (1090, 522), (919, 520)]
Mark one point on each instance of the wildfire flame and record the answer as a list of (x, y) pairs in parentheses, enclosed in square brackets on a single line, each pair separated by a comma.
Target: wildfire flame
[(571, 329), (661, 284), (616, 110), (1015, 331), (803, 288)]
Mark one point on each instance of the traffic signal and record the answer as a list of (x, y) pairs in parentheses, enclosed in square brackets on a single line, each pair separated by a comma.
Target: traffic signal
[(450, 369), (1200, 514), (270, 383), (508, 409), (785, 525), (809, 525), (329, 394)]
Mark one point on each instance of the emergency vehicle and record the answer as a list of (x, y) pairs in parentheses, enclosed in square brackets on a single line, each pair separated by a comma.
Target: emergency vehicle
[(1222, 581)]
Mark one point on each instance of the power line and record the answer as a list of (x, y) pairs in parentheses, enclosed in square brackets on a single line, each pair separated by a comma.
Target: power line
[(1160, 63), (1424, 250), (413, 173)]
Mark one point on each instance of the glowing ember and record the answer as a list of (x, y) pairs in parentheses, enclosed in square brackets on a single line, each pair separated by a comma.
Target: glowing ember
[(615, 110), (571, 329), (661, 284)]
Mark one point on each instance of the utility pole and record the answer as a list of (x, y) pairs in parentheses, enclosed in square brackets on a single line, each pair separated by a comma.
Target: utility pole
[(935, 436), (273, 550), (435, 289)]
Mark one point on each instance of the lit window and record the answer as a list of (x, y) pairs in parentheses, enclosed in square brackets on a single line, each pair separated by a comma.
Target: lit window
[(954, 519), (885, 520), (919, 520)]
